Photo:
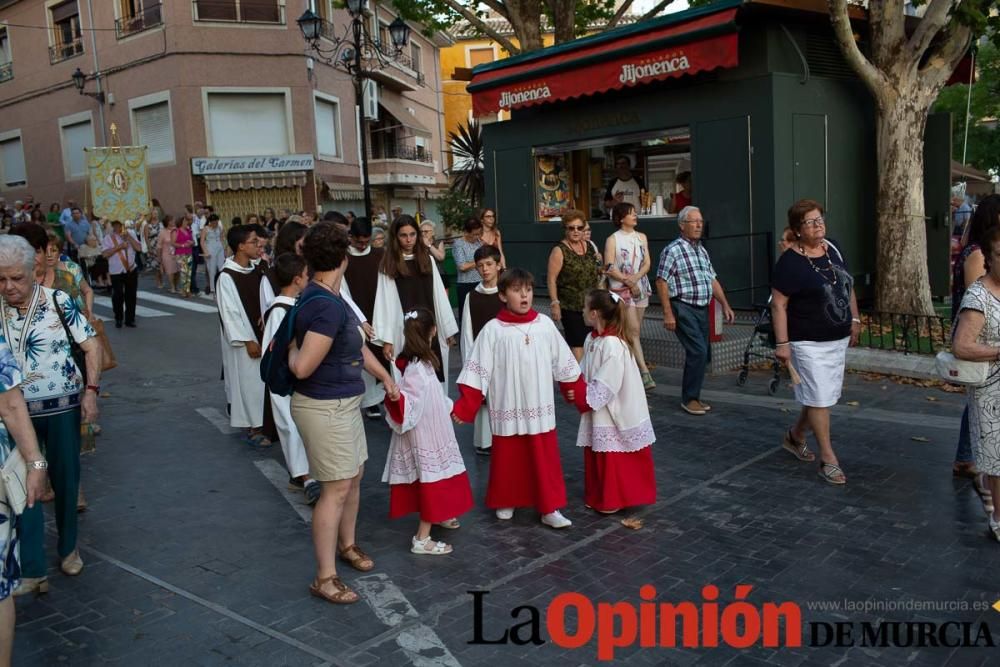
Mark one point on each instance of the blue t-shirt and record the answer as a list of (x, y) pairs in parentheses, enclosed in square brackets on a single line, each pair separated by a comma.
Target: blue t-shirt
[(339, 374)]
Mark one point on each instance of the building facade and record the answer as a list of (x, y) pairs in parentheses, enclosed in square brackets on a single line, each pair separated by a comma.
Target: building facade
[(222, 92)]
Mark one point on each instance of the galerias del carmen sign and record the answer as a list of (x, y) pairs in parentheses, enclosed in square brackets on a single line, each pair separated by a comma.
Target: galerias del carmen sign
[(248, 164)]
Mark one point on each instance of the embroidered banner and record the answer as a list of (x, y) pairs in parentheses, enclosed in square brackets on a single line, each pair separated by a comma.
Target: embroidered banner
[(119, 181)]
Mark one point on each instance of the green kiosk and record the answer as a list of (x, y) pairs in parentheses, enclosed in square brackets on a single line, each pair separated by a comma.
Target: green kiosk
[(750, 103)]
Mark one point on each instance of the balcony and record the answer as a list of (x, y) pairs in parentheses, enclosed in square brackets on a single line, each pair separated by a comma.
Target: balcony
[(240, 11), (6, 72), (61, 52), (401, 152), (149, 17)]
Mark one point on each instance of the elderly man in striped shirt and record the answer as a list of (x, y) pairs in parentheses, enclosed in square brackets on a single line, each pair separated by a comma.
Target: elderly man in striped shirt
[(686, 282)]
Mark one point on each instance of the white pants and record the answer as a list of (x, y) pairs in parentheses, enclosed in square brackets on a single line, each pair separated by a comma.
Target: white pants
[(288, 435), (482, 438), (214, 262)]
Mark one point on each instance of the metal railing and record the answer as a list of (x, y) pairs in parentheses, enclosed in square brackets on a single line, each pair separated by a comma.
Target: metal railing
[(149, 17), (902, 332), (61, 52), (401, 152), (6, 71), (239, 11)]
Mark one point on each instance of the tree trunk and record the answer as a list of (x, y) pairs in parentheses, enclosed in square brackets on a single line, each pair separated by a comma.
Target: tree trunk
[(902, 283), (524, 21), (564, 18)]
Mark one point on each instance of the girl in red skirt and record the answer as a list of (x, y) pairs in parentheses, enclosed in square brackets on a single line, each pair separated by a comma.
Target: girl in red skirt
[(424, 468), (615, 430)]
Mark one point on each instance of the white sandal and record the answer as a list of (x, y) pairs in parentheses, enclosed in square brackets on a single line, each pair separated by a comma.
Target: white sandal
[(427, 547)]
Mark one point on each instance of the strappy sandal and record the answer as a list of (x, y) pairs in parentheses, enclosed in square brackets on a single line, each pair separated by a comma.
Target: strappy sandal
[(450, 524), (356, 558), (344, 595), (832, 473), (982, 488), (428, 547), (799, 450)]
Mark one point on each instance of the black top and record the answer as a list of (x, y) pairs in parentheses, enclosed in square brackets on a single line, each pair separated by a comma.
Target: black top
[(482, 309), (417, 291), (362, 278), (248, 287), (819, 294)]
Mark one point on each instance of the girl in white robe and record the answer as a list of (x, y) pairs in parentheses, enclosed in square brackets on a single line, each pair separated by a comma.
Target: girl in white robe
[(424, 466)]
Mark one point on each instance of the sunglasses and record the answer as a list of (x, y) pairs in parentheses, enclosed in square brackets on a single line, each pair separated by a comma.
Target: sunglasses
[(575, 228)]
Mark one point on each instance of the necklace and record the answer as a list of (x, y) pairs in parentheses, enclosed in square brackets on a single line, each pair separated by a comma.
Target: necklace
[(324, 285), (527, 337), (820, 271)]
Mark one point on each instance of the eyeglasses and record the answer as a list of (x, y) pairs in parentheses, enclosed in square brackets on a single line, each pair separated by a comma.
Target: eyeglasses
[(574, 228), (814, 222)]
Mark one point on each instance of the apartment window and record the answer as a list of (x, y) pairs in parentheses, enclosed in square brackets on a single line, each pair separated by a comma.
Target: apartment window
[(12, 162), (240, 11), (154, 130), (136, 16), (76, 136), (6, 65), (67, 39), (481, 56), (415, 58), (327, 128), (233, 117)]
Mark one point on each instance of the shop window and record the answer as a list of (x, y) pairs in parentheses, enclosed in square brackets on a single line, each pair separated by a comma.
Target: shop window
[(232, 117), (12, 162), (67, 36), (644, 170), (154, 130), (6, 64), (240, 11)]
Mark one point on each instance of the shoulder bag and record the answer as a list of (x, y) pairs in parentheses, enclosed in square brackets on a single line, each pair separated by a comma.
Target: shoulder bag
[(14, 476), (75, 351), (959, 371)]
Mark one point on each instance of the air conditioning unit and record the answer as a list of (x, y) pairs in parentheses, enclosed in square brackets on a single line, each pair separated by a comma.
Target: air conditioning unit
[(369, 100)]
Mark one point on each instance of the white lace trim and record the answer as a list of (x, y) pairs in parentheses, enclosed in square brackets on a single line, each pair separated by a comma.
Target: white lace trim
[(610, 439), (523, 414), (598, 394)]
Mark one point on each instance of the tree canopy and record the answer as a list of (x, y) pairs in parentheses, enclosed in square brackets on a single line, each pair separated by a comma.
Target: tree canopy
[(984, 112)]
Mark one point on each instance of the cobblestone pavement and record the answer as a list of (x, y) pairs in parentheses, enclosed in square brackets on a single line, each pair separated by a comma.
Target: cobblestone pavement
[(194, 557)]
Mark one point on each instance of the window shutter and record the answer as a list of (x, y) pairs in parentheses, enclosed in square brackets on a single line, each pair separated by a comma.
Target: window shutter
[(153, 128), (265, 11), (14, 173), (235, 117), (370, 100), (64, 11), (326, 128), (216, 10), (75, 139)]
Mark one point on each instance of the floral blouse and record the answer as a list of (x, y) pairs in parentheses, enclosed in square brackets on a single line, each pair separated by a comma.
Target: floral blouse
[(10, 377), (52, 382)]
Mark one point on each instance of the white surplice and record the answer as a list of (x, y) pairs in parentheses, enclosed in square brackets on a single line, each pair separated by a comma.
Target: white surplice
[(423, 447), (374, 391), (281, 406), (516, 376), (388, 318), (482, 438), (245, 388), (619, 420)]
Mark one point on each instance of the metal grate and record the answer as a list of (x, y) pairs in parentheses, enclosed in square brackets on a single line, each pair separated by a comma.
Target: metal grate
[(6, 71), (149, 17), (61, 52)]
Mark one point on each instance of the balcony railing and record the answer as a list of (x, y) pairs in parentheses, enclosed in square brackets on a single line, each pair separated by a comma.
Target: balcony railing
[(149, 17), (401, 152), (61, 52), (239, 11), (6, 72)]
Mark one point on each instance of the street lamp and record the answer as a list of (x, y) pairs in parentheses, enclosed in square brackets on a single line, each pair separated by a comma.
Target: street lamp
[(80, 80), (358, 53)]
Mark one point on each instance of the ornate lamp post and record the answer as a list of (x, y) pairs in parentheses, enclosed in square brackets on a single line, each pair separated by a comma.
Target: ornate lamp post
[(80, 80), (356, 52)]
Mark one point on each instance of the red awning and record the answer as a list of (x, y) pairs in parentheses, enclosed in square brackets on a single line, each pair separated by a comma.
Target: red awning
[(699, 45)]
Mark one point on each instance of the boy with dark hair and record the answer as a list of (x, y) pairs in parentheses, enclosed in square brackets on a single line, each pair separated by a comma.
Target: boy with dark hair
[(238, 298), (512, 364), (481, 306), (359, 286)]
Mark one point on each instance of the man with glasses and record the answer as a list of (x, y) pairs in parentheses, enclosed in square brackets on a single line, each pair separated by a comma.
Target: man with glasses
[(625, 186), (686, 282)]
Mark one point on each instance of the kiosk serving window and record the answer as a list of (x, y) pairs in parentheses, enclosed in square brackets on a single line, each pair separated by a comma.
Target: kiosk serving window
[(642, 169)]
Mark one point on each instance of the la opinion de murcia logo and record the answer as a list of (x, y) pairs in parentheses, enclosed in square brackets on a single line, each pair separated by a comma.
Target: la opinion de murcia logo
[(632, 73), (509, 99)]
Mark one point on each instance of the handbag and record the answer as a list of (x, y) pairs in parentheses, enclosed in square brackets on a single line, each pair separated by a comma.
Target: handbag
[(959, 371), (108, 360), (14, 476), (75, 351)]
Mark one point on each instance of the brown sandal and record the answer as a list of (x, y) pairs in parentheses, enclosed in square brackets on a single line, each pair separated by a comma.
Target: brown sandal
[(799, 450), (356, 558), (344, 595)]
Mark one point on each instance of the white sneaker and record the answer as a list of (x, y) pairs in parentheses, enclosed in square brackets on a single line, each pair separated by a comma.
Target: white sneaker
[(995, 528), (556, 520), (505, 514)]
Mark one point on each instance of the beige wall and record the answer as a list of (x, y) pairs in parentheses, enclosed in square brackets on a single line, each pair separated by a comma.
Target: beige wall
[(183, 58)]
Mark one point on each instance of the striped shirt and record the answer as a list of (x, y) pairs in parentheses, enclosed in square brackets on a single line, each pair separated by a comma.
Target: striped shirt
[(688, 271)]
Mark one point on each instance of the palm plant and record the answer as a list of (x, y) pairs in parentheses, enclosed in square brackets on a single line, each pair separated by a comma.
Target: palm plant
[(468, 161)]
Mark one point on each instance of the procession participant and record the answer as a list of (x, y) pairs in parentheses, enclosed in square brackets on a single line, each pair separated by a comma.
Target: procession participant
[(424, 467), (616, 432), (120, 248), (408, 279), (513, 363), (292, 277), (481, 306), (238, 298), (363, 263)]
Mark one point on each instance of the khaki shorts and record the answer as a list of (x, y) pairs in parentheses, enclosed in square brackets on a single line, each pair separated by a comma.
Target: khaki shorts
[(333, 434)]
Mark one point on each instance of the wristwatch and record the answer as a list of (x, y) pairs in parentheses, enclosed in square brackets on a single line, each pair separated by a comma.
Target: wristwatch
[(40, 464), (96, 388)]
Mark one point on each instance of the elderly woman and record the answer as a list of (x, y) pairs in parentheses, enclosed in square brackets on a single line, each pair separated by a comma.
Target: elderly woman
[(66, 276), (815, 317), (327, 357), (574, 269), (977, 338), (36, 324), (15, 427)]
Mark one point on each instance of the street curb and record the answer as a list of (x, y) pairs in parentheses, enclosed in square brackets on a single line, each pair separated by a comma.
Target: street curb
[(918, 366)]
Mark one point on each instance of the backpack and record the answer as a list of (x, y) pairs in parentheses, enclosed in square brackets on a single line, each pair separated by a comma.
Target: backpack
[(274, 370)]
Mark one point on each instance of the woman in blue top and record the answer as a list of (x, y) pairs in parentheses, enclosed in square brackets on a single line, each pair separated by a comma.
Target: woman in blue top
[(327, 356)]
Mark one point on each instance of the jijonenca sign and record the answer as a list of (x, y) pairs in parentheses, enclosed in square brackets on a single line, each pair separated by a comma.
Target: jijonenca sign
[(631, 72), (510, 99), (205, 166)]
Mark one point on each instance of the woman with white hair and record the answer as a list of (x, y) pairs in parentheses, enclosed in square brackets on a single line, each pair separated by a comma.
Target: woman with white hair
[(36, 324)]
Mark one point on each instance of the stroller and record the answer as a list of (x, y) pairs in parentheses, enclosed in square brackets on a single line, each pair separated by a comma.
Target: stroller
[(761, 346)]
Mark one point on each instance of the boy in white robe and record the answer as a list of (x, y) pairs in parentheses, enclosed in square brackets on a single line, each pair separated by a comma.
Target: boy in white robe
[(481, 305), (513, 364)]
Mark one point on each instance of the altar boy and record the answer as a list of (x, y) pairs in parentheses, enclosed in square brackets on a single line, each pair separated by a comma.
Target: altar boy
[(481, 305)]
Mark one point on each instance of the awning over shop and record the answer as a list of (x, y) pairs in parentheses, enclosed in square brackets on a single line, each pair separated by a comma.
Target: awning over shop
[(342, 192), (964, 172), (404, 117), (663, 48), (256, 181)]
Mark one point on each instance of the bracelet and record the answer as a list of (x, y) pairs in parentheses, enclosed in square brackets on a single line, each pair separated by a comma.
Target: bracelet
[(554, 303), (96, 388), (855, 320), (782, 344)]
